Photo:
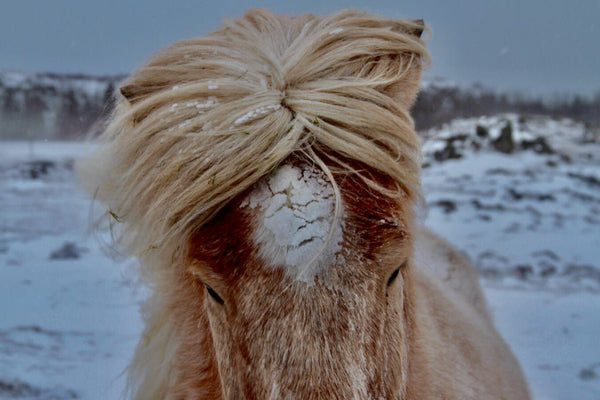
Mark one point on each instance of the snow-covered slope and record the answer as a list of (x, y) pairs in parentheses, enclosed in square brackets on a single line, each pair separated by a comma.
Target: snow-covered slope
[(68, 313), (52, 106), (521, 196), (527, 214), (92, 86)]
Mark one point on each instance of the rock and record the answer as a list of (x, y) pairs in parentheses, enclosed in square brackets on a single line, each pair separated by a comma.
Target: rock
[(549, 254), (538, 145), (481, 131), (565, 158), (590, 136), (36, 169), (23, 390), (475, 145), (582, 271), (68, 251), (16, 389), (448, 153), (547, 270), (523, 271), (589, 179), (448, 206), (487, 207), (516, 195), (587, 374), (505, 143), (500, 171)]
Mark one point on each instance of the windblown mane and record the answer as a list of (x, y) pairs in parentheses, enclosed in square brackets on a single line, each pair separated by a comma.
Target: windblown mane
[(207, 118)]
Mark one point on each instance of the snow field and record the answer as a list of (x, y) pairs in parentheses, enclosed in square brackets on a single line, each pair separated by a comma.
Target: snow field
[(69, 314)]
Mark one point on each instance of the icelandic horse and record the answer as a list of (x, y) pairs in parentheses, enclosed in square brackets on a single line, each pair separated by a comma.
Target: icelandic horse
[(266, 176)]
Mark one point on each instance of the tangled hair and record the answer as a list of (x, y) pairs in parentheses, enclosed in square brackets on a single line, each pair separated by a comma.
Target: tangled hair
[(206, 118)]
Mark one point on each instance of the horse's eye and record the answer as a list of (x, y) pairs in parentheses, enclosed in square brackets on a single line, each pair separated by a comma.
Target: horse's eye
[(214, 294), (394, 274)]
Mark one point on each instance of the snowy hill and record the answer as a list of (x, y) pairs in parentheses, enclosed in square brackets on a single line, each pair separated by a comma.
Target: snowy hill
[(52, 106), (441, 101), (89, 85), (38, 106), (520, 195), (68, 319)]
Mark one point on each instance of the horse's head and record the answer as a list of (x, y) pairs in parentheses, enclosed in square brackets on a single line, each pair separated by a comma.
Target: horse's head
[(265, 175), (303, 303)]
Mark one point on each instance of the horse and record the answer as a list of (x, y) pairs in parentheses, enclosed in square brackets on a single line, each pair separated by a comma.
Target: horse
[(266, 176)]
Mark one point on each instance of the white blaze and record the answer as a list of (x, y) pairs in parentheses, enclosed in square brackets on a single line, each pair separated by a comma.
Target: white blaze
[(296, 226)]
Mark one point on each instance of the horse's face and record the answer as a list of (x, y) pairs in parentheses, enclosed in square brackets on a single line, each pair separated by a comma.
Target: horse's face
[(292, 318)]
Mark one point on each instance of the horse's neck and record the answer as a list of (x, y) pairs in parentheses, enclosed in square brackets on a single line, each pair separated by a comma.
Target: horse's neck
[(454, 350), (174, 358), (438, 258)]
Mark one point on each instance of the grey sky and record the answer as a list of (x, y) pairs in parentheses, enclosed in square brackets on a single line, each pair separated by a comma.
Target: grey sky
[(538, 46)]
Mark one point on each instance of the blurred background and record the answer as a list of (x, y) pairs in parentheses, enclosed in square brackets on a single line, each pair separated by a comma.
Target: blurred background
[(508, 114), (60, 61)]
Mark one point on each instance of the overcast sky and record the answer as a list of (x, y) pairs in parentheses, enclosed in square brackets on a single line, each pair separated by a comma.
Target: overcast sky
[(537, 46)]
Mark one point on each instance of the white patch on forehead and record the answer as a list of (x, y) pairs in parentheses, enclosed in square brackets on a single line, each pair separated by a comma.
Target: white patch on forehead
[(296, 225)]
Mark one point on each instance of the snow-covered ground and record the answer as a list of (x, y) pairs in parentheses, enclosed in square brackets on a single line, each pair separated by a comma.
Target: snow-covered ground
[(529, 217), (68, 315), (527, 211)]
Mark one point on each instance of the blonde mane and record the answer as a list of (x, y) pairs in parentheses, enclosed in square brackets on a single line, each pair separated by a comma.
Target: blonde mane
[(206, 118)]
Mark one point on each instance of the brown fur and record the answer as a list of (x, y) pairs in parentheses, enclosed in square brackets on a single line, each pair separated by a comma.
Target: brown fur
[(273, 329), (331, 94), (423, 338)]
